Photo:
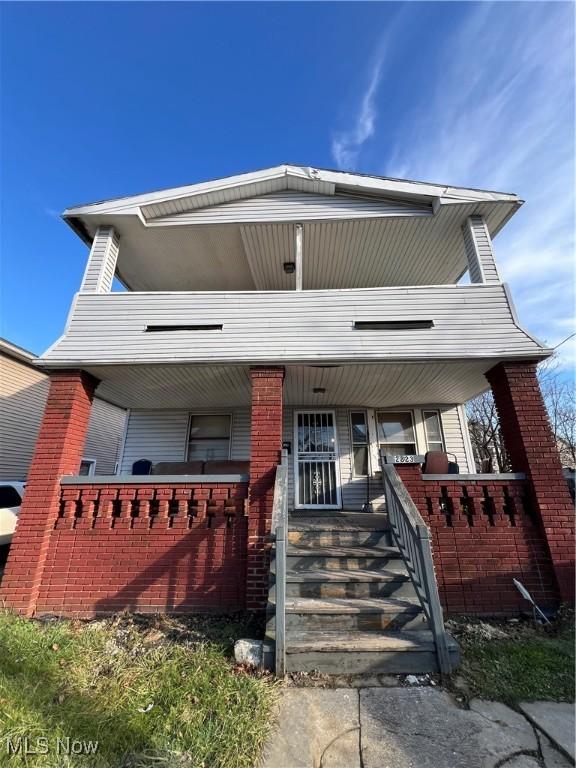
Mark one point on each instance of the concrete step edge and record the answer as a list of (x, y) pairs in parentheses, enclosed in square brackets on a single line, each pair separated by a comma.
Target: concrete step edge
[(294, 550), (353, 605)]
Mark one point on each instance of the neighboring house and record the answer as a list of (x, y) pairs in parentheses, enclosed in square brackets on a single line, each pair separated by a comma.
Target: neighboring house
[(321, 312), (23, 392)]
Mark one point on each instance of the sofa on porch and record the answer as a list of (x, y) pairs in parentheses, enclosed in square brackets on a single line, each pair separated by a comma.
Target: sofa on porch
[(212, 467)]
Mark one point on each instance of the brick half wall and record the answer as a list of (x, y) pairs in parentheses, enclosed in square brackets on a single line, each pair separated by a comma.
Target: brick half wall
[(485, 533), (179, 548)]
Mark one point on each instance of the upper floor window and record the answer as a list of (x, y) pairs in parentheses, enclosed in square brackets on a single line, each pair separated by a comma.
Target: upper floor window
[(396, 432), (209, 437), (433, 429)]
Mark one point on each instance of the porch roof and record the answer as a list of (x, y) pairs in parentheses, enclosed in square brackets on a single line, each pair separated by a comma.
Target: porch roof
[(370, 385)]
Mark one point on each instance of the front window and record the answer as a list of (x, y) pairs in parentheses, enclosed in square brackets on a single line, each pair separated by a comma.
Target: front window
[(87, 467), (434, 439), (359, 432), (209, 438), (396, 432)]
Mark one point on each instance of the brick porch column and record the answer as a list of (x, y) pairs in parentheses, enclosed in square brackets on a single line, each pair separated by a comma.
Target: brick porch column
[(530, 445), (58, 452), (265, 450)]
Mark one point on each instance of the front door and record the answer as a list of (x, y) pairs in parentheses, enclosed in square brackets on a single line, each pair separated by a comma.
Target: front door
[(316, 460)]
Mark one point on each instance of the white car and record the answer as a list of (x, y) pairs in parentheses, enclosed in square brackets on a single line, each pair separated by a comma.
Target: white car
[(10, 499)]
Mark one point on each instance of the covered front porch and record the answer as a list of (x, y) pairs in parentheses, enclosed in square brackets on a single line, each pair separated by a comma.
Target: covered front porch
[(211, 439), (195, 420)]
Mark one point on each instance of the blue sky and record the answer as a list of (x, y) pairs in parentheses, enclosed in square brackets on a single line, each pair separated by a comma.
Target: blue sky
[(107, 99)]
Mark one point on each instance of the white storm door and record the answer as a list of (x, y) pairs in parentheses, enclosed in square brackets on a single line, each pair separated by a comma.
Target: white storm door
[(316, 460)]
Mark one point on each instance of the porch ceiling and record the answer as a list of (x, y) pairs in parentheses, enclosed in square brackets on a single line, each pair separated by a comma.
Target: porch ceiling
[(347, 253), (391, 384)]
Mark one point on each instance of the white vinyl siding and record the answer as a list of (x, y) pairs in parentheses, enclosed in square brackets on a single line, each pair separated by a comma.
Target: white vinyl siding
[(479, 252), (162, 435), (470, 321), (454, 437), (296, 206), (23, 393), (104, 438), (101, 265)]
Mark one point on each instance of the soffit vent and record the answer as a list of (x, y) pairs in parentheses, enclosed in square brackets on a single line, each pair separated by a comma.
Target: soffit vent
[(171, 328), (392, 325)]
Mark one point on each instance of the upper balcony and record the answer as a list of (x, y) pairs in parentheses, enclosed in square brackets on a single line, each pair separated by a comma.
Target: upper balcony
[(291, 228), (296, 267)]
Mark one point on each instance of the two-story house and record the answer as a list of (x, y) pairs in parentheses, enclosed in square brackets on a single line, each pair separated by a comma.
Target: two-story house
[(336, 316)]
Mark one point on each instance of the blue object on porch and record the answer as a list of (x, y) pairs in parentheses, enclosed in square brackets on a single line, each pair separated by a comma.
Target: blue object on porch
[(141, 467)]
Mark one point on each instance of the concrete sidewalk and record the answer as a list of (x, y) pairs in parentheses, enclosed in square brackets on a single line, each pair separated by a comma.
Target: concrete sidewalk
[(414, 728)]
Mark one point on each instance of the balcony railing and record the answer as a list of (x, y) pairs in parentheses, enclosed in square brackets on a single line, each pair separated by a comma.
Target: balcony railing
[(420, 322)]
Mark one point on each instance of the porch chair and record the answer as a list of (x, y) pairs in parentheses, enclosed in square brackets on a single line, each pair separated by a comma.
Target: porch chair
[(438, 463)]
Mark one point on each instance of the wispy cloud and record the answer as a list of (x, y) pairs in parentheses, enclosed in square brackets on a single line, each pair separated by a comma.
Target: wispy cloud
[(498, 113), (346, 145)]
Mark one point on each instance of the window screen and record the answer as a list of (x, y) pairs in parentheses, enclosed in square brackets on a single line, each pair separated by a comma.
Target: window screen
[(434, 439), (209, 438), (396, 432)]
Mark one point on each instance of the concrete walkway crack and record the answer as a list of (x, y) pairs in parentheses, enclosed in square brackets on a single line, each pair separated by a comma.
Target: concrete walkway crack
[(527, 752), (360, 748), (333, 741)]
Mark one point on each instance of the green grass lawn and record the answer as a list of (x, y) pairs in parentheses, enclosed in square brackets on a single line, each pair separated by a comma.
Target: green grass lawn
[(516, 662), (151, 692)]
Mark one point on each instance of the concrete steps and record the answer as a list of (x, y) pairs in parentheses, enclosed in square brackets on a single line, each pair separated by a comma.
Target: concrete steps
[(350, 604), (363, 652)]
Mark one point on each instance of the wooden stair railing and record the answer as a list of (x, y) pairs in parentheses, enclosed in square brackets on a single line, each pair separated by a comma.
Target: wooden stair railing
[(279, 535), (412, 537)]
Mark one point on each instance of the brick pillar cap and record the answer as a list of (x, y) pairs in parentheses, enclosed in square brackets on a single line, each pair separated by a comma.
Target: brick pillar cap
[(267, 371), (76, 373)]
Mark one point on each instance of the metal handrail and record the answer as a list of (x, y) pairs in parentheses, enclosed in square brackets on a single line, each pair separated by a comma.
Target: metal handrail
[(412, 537), (279, 532)]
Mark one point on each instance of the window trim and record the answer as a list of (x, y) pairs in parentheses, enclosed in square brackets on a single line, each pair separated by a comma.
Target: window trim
[(360, 445), (91, 468), (412, 413), (191, 415), (438, 413)]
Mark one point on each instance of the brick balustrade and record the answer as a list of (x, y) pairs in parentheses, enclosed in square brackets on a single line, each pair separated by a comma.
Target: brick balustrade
[(177, 547), (485, 532), (133, 505)]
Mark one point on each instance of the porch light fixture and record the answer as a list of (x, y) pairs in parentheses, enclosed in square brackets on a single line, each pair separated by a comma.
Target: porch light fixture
[(319, 390), (289, 267)]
